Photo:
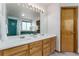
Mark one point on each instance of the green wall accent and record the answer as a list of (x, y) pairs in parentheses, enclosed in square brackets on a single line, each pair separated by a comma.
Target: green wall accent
[(28, 32), (12, 27)]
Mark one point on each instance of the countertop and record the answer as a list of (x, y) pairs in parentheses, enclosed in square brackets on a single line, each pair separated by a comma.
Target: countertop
[(14, 41)]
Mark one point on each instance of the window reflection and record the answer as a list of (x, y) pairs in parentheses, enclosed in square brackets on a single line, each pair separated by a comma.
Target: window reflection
[(26, 26)]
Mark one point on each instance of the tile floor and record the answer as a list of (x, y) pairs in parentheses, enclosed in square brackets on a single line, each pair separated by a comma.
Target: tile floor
[(64, 54)]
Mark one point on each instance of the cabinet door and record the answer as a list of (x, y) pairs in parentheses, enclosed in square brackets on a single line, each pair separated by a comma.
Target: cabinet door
[(46, 51), (52, 44), (38, 53), (16, 50), (0, 53), (35, 48), (46, 47)]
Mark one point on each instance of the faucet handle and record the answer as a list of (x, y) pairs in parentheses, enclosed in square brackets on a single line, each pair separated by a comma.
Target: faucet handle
[(22, 36)]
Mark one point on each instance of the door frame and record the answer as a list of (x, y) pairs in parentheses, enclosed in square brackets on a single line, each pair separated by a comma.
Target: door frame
[(76, 28)]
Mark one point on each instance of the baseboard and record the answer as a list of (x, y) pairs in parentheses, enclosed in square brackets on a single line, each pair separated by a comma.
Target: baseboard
[(78, 50), (63, 52), (58, 51)]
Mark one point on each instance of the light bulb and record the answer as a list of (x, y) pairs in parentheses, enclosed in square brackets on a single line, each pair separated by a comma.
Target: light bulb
[(23, 14)]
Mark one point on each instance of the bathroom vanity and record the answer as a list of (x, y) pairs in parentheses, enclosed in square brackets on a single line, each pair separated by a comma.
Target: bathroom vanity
[(35, 46)]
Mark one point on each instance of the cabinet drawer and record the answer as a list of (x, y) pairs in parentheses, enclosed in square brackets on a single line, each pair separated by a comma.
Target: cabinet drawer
[(15, 50), (46, 41), (46, 45), (38, 53), (46, 51), (35, 44), (35, 49), (23, 53)]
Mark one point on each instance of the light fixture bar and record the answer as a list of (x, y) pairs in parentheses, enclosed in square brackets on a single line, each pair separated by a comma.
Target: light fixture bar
[(33, 7)]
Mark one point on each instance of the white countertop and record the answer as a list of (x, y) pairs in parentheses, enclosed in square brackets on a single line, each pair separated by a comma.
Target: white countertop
[(13, 41)]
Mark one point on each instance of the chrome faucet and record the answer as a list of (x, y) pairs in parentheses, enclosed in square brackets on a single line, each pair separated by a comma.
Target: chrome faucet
[(22, 37)]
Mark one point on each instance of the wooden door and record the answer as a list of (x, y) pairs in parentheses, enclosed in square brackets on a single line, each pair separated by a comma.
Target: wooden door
[(68, 29), (12, 27)]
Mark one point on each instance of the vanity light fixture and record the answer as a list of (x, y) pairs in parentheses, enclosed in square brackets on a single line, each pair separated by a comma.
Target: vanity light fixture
[(33, 7)]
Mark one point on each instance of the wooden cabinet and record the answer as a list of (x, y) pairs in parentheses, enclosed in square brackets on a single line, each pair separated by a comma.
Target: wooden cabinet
[(0, 53), (35, 48), (46, 47), (46, 51), (52, 44), (16, 51), (49, 46), (43, 47)]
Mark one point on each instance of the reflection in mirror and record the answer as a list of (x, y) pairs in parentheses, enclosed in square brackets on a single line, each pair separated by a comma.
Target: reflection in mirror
[(25, 20), (26, 26)]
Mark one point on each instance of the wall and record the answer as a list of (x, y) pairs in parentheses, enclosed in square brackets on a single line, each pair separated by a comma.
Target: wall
[(54, 22), (43, 23), (3, 31), (50, 22)]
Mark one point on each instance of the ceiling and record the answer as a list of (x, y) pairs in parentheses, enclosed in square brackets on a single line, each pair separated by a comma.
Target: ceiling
[(44, 5), (15, 10)]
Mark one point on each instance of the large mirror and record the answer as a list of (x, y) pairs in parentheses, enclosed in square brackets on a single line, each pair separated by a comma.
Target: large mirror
[(22, 20)]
